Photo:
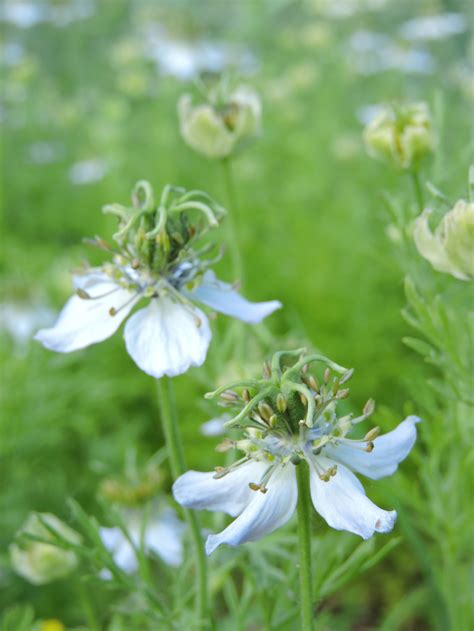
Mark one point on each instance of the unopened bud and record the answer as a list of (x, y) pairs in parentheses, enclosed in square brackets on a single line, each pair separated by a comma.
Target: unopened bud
[(281, 403)]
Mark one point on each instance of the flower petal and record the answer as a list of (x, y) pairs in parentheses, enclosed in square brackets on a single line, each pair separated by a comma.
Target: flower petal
[(265, 512), (120, 548), (429, 245), (342, 502), (229, 494), (389, 450), (223, 298), (164, 535), (87, 321), (167, 338)]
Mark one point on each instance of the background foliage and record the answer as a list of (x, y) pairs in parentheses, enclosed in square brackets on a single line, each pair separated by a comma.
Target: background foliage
[(89, 99)]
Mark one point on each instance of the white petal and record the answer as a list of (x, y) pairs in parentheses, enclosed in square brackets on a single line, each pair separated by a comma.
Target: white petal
[(389, 450), (164, 537), (87, 321), (229, 494), (166, 338), (265, 513), (120, 548), (342, 502), (223, 298)]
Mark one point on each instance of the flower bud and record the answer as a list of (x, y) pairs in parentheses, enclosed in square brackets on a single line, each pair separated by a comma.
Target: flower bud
[(401, 135), (217, 130), (450, 248), (41, 563)]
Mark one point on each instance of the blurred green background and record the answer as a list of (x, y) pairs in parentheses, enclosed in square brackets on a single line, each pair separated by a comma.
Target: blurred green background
[(89, 107)]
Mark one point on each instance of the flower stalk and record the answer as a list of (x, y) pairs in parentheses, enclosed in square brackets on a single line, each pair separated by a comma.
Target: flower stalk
[(304, 546), (178, 467)]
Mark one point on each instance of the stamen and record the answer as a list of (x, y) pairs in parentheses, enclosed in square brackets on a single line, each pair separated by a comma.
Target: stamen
[(113, 311), (220, 472), (372, 434), (82, 293)]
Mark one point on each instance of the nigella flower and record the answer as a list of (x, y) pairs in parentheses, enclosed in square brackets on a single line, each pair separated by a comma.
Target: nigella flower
[(156, 262), (161, 534), (291, 418)]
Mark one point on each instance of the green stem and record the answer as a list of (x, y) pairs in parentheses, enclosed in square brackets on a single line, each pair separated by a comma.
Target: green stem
[(231, 231), (415, 176), (304, 546), (178, 467)]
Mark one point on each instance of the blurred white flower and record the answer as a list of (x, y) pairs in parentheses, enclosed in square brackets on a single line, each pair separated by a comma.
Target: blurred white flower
[(431, 27), (88, 171), (260, 490), (371, 53), (185, 60), (450, 248), (25, 14), (162, 535), (41, 563), (45, 152), (215, 426), (20, 321)]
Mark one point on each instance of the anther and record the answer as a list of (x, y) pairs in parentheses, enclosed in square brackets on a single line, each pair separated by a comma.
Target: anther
[(246, 395), (370, 446), (266, 370), (220, 472), (112, 311), (225, 445), (135, 264), (369, 407), (254, 487), (343, 394), (346, 376), (372, 434), (327, 375), (273, 420), (230, 395), (82, 293), (313, 383), (265, 410), (303, 399), (281, 403)]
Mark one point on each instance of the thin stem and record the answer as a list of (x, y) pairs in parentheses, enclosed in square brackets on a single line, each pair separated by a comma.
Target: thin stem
[(229, 222), (178, 467), (415, 176), (304, 546)]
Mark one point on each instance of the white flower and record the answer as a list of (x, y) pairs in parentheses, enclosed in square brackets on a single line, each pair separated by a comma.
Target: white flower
[(167, 336), (261, 490), (162, 535), (450, 248)]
